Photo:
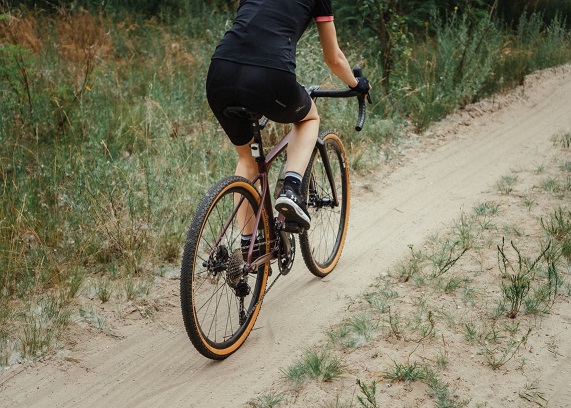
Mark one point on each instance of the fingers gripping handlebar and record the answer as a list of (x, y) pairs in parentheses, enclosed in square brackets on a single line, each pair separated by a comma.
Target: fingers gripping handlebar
[(358, 72), (315, 92)]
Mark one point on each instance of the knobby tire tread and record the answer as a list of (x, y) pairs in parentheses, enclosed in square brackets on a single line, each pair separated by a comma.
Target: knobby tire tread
[(322, 268), (189, 261)]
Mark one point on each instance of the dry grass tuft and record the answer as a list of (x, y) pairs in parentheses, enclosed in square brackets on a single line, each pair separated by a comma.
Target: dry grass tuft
[(83, 37), (21, 30)]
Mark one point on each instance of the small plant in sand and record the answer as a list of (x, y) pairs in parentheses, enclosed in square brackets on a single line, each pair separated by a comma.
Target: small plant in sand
[(506, 184), (562, 139), (318, 365), (268, 400), (519, 276), (369, 398)]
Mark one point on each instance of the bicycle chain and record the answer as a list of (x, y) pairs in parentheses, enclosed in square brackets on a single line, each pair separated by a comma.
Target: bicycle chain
[(274, 281), (265, 293)]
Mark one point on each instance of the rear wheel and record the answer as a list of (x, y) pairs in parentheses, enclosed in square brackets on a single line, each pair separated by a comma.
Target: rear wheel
[(322, 244), (219, 301)]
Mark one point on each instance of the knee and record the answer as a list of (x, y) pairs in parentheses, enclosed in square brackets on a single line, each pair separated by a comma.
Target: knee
[(316, 118), (312, 117)]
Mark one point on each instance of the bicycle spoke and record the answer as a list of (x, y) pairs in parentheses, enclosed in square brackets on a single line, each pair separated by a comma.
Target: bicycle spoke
[(217, 301), (321, 245)]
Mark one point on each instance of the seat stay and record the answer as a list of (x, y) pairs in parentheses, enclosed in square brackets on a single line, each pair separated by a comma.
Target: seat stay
[(265, 205)]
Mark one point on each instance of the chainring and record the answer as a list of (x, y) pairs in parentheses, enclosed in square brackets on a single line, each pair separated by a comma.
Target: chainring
[(286, 253)]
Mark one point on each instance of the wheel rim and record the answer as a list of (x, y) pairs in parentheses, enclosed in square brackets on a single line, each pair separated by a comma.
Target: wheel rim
[(328, 222), (225, 303)]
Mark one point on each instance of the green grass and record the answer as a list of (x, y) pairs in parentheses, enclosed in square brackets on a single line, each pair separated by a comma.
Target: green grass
[(406, 372), (41, 325), (411, 372), (562, 139), (558, 223), (487, 208), (506, 184), (318, 365), (355, 331), (499, 355), (519, 274), (369, 391), (445, 257), (269, 400), (558, 227), (485, 310), (107, 142)]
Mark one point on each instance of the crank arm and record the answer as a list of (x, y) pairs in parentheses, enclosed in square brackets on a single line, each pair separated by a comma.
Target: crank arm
[(262, 260)]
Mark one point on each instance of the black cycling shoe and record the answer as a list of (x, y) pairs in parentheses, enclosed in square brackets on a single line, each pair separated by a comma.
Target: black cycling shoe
[(292, 206)]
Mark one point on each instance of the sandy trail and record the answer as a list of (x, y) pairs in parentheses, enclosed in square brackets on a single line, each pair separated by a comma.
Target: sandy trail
[(152, 363)]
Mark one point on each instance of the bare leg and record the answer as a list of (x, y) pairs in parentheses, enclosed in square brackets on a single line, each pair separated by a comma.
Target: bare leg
[(302, 142), (247, 168), (300, 147)]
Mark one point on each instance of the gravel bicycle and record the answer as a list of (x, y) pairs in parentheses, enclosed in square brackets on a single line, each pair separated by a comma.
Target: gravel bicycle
[(223, 283)]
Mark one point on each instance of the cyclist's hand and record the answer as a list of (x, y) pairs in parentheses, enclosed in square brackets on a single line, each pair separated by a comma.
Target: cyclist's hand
[(362, 86)]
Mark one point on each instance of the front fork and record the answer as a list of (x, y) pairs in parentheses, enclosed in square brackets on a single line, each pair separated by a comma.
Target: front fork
[(320, 146)]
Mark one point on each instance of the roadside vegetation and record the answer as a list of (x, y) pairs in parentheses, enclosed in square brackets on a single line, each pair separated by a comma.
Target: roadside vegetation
[(107, 142), (470, 303)]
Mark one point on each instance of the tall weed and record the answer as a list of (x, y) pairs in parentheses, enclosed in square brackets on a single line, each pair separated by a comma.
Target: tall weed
[(447, 71), (107, 141), (106, 144)]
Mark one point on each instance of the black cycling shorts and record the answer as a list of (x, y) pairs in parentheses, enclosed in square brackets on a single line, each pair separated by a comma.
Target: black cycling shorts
[(270, 92)]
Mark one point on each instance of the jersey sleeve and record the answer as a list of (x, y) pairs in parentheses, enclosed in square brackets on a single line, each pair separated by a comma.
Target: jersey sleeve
[(322, 11)]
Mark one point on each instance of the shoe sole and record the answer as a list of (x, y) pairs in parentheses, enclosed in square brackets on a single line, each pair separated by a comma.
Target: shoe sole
[(292, 212)]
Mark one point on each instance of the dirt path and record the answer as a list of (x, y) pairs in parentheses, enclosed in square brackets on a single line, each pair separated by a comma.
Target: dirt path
[(148, 363)]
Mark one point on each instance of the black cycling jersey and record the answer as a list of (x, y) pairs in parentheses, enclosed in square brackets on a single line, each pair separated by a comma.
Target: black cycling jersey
[(265, 32)]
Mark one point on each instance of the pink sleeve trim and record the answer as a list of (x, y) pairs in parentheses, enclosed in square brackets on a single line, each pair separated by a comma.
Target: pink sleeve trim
[(323, 19)]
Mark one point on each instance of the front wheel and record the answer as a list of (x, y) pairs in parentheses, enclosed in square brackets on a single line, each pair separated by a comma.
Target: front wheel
[(219, 300), (322, 244)]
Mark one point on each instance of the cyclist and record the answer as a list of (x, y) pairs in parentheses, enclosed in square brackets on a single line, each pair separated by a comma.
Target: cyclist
[(254, 66)]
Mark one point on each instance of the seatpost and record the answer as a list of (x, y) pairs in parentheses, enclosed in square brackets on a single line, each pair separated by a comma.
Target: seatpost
[(256, 146)]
